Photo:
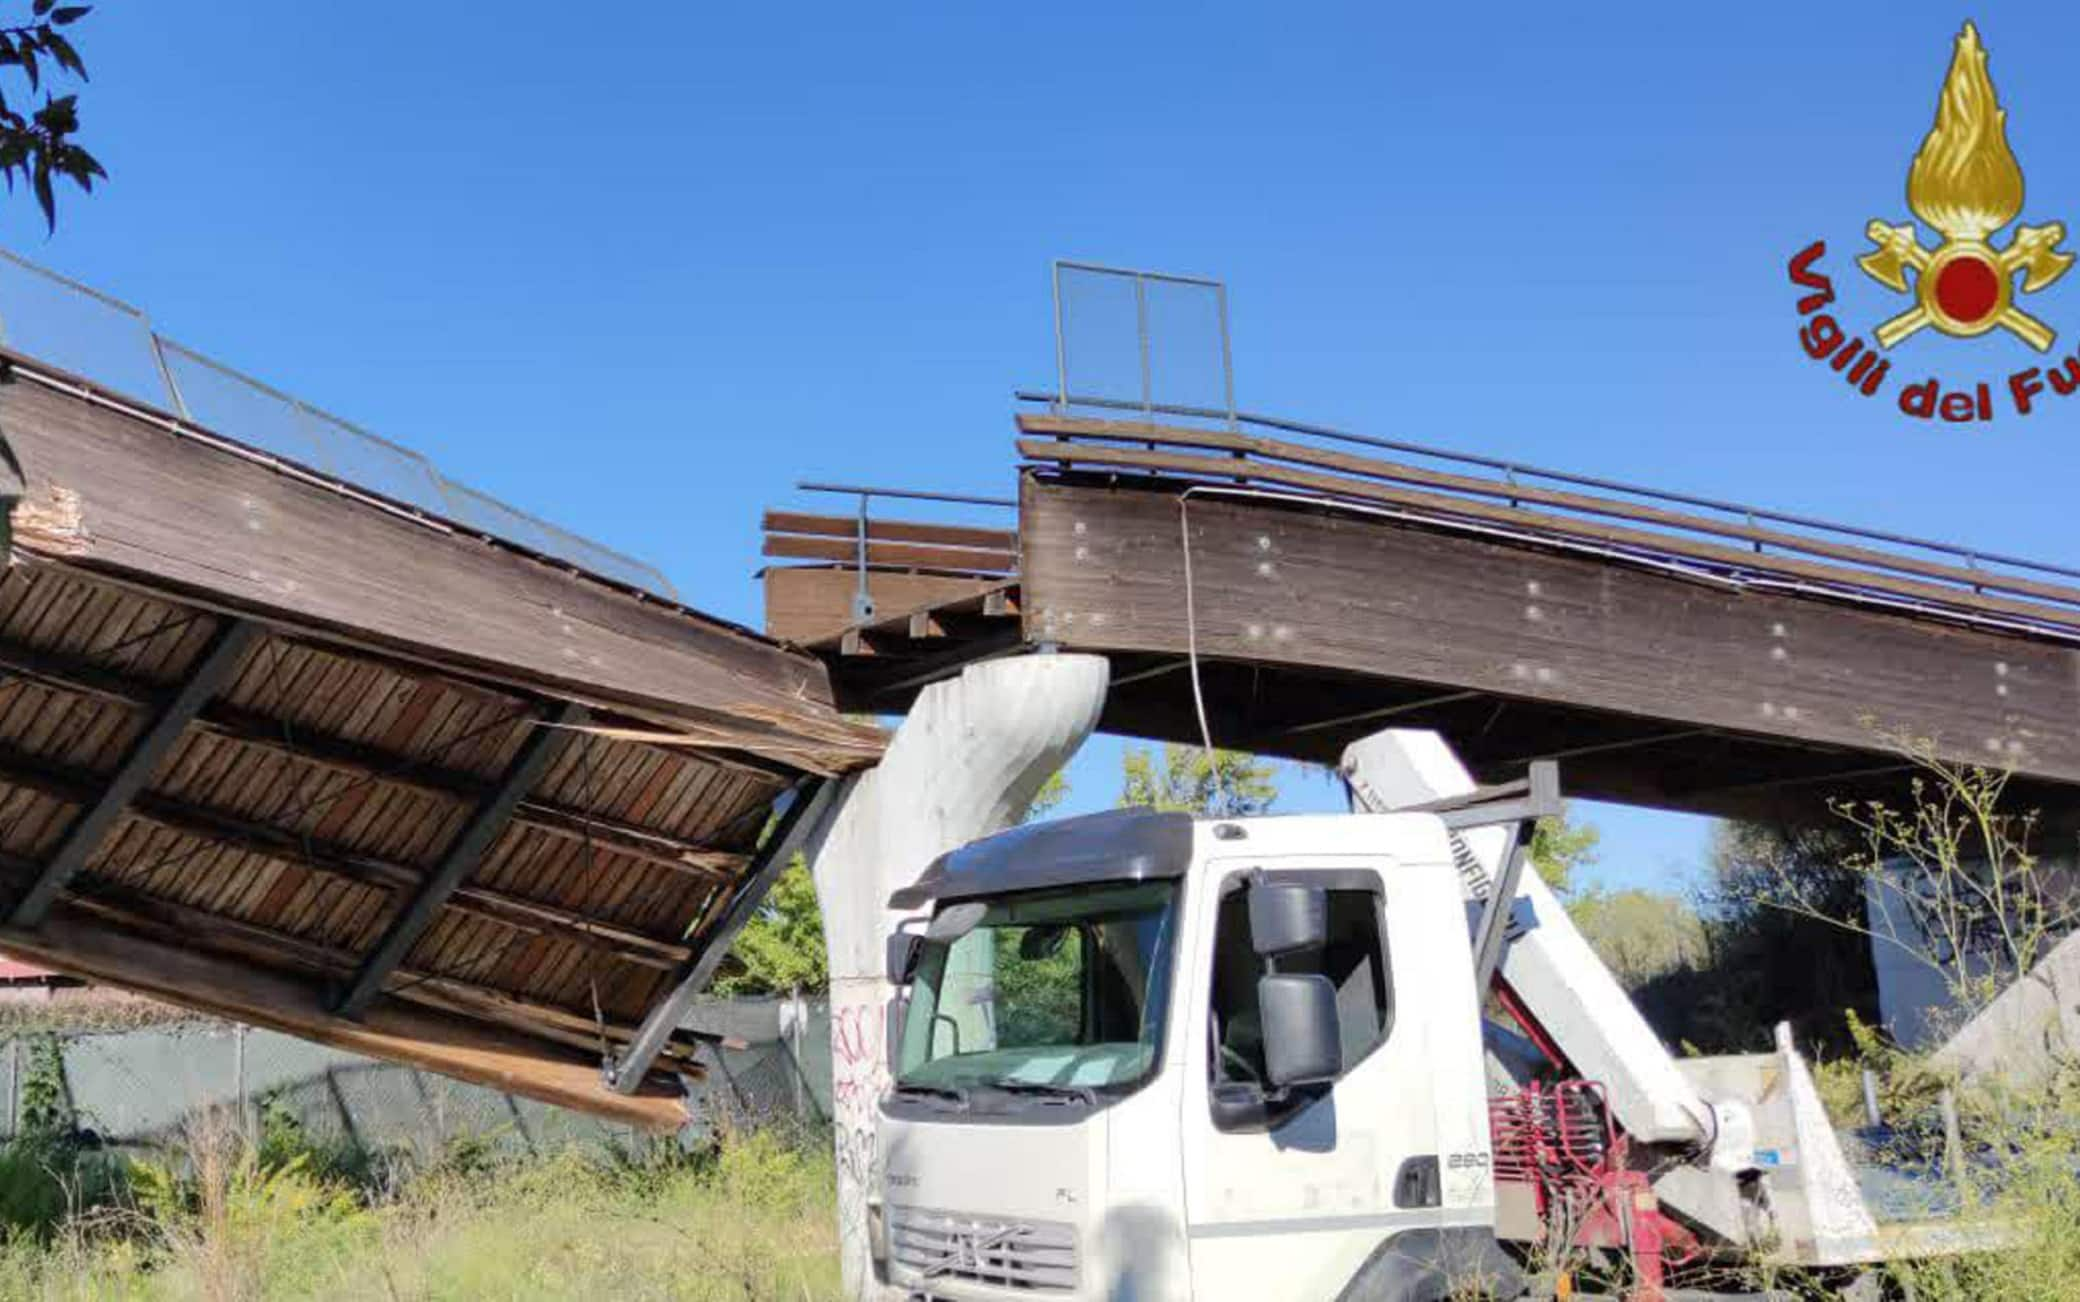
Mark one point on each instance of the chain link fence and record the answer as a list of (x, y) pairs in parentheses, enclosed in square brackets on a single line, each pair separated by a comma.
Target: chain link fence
[(79, 329), (143, 1088)]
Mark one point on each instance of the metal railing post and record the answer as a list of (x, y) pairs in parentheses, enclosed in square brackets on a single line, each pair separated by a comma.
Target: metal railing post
[(173, 390), (1220, 298), (1148, 391), (1061, 351), (862, 596)]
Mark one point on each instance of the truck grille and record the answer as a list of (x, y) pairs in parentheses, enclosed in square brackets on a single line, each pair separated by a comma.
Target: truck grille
[(1037, 1255)]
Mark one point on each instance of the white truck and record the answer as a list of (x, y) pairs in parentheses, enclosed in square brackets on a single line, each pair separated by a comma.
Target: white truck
[(1142, 1055)]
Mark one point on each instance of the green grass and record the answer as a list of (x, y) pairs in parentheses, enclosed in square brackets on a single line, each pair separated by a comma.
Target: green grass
[(228, 1221)]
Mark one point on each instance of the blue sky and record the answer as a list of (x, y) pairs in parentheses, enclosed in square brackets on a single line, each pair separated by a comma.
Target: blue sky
[(639, 269)]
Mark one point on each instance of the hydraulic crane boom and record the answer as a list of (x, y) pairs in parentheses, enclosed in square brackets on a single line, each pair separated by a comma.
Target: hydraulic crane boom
[(1547, 964)]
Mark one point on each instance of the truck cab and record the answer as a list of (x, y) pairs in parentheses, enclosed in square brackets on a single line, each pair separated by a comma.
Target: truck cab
[(1139, 1054)]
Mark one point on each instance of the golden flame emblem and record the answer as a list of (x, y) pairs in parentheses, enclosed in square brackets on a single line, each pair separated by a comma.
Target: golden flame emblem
[(1966, 184)]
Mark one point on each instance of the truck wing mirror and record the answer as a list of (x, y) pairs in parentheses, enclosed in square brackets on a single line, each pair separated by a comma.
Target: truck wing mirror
[(904, 947), (1302, 1042), (1284, 918)]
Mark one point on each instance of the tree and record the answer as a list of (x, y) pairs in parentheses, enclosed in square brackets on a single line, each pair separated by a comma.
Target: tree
[(781, 948), (1051, 794), (1639, 935), (1743, 985), (1950, 878), (1559, 846), (1219, 784), (37, 148)]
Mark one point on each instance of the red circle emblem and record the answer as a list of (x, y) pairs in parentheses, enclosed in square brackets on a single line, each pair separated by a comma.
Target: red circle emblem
[(1967, 289)]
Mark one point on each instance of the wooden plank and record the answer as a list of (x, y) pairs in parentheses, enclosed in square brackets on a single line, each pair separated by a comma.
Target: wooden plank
[(227, 647), (1556, 526), (916, 555), (846, 526), (1455, 612), (805, 606), (307, 854), (1616, 508), (174, 921), (457, 862), (181, 515), (391, 1029), (647, 845), (638, 843)]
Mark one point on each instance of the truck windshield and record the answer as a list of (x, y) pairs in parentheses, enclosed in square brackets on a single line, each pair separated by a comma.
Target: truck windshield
[(1061, 989)]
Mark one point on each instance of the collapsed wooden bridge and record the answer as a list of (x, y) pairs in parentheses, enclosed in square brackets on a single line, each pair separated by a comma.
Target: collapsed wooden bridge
[(302, 734), (282, 749)]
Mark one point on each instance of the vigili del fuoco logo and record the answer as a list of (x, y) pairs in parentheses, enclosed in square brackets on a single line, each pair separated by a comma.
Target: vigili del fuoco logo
[(1959, 279)]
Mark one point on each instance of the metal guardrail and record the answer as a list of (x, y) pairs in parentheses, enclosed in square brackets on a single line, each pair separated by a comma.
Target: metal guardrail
[(97, 337), (862, 599), (1516, 471)]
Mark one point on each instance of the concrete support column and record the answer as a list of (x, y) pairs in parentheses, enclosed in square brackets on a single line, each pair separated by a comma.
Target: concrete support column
[(966, 762)]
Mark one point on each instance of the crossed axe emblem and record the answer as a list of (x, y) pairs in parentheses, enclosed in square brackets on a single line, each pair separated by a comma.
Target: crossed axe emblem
[(1965, 285)]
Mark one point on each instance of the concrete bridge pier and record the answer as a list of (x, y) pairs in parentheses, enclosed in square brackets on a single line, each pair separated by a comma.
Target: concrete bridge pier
[(967, 761)]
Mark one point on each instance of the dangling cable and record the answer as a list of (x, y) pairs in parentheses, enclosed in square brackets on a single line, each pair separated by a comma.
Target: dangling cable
[(1191, 645)]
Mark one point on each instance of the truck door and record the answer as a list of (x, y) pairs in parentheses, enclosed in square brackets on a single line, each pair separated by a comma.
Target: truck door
[(1288, 1192)]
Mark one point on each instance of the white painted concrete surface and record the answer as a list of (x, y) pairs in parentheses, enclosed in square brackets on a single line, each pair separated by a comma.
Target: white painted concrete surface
[(966, 762), (2030, 1029)]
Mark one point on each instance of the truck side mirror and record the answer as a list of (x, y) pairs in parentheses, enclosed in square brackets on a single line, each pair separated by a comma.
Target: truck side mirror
[(1283, 918), (904, 947), (1302, 1042)]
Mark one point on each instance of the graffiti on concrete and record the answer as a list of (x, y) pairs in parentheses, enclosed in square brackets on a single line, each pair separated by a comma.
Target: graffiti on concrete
[(859, 1074)]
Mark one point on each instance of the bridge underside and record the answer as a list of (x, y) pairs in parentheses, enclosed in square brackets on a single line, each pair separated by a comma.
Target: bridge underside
[(278, 750), (1661, 667)]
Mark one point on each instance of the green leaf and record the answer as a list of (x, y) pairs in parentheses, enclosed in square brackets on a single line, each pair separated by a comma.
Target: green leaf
[(42, 7), (28, 57), (67, 57), (85, 165), (44, 198), (59, 116), (71, 14)]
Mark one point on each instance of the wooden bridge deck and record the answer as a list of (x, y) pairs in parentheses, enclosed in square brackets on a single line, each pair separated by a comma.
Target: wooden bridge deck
[(279, 749)]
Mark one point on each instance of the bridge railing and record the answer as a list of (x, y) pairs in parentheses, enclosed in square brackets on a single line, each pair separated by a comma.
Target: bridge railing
[(967, 558), (80, 330), (1748, 543)]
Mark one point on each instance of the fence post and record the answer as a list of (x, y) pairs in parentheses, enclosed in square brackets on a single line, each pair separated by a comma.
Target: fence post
[(796, 1027), (238, 1080), (1870, 1099), (1953, 1137)]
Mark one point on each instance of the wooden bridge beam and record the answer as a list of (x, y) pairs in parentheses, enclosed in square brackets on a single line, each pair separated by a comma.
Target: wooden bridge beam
[(1567, 643)]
